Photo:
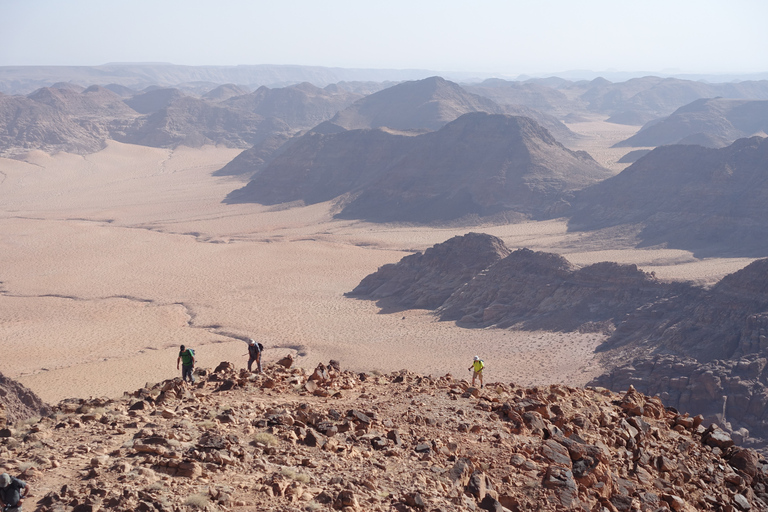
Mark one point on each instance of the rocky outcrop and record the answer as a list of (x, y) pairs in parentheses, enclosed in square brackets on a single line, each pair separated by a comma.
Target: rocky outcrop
[(537, 290), (426, 280), (370, 442), (18, 403)]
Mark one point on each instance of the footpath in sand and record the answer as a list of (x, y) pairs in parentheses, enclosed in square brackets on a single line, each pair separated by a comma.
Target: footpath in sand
[(109, 261)]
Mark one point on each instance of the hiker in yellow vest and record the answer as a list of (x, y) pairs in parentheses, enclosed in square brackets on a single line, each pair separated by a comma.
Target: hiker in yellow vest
[(477, 366)]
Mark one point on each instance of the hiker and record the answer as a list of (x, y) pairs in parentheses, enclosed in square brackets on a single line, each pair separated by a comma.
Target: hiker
[(12, 492), (254, 354), (477, 365), (187, 360)]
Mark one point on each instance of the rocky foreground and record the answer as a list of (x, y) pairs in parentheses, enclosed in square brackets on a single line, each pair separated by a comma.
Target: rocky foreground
[(332, 439)]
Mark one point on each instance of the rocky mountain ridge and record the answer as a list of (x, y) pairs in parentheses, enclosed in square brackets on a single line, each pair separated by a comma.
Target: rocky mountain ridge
[(330, 439)]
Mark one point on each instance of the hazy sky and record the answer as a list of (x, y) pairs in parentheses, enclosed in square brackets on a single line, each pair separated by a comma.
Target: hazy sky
[(496, 36)]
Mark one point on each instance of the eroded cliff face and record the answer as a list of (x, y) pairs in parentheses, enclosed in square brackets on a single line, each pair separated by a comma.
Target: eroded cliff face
[(293, 439)]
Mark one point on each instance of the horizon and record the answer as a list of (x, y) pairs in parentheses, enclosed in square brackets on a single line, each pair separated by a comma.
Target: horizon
[(491, 39)]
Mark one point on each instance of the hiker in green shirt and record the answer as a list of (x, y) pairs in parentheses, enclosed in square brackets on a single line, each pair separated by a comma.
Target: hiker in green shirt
[(187, 360)]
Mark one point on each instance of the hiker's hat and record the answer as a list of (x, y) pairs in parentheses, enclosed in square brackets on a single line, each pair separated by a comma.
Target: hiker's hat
[(252, 341), (5, 480), (477, 358)]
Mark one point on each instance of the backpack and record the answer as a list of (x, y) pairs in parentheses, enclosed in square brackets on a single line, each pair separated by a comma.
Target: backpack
[(190, 353), (255, 350)]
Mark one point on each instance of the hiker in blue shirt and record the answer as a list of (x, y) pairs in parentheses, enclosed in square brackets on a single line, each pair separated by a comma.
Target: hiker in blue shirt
[(187, 360)]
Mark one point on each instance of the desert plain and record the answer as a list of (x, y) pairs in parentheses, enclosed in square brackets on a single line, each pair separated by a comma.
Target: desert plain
[(110, 261)]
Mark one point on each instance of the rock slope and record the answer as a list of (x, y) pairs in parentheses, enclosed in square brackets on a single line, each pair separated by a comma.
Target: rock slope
[(333, 440)]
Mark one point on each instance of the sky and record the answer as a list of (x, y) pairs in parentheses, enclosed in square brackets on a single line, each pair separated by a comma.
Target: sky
[(507, 37)]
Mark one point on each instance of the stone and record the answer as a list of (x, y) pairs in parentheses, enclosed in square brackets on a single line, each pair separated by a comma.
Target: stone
[(286, 362)]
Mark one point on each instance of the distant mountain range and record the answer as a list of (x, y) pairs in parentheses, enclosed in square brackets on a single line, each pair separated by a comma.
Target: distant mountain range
[(480, 164), (138, 76), (710, 201), (635, 101), (70, 118)]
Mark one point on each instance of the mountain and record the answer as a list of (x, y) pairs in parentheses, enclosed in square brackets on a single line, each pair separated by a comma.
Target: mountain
[(710, 122), (333, 439), (27, 124), (194, 122), (531, 94), (224, 92), (430, 104), (301, 106), (426, 280), (153, 100), (479, 164), (709, 201)]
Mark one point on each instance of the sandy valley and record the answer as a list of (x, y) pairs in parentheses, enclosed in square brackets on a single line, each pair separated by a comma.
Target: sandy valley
[(109, 261)]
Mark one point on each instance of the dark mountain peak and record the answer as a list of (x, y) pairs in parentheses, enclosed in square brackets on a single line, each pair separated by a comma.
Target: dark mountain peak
[(426, 280), (154, 100)]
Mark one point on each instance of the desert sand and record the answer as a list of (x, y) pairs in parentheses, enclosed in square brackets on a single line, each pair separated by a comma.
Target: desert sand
[(109, 261)]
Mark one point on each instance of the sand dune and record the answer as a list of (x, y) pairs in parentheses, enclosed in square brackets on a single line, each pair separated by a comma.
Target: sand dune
[(109, 261)]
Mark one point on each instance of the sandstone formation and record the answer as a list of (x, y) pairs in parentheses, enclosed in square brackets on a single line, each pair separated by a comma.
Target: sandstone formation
[(335, 440), (709, 201), (479, 165)]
